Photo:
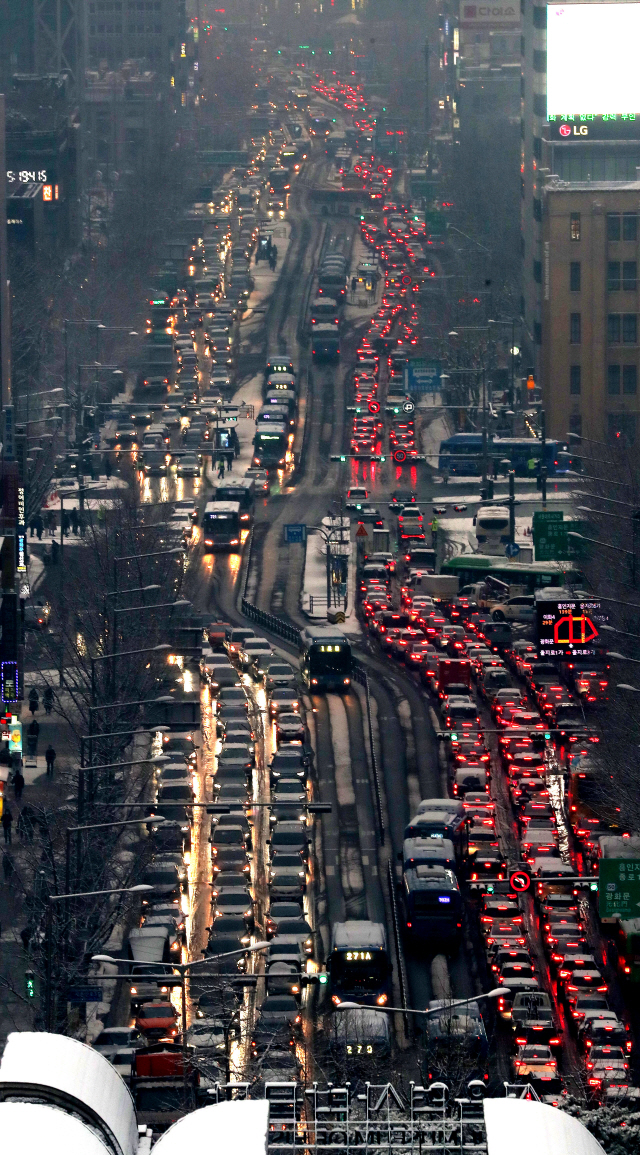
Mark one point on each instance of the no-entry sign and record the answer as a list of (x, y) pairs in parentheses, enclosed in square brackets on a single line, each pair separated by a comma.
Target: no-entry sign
[(519, 881), (374, 406)]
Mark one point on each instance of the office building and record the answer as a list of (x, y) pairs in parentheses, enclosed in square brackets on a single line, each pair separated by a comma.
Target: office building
[(590, 353), (149, 32)]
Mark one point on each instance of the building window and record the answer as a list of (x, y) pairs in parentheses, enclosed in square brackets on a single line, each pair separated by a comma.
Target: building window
[(629, 227), (622, 427), (575, 328), (575, 424), (629, 329), (537, 272), (613, 226), (575, 379), (629, 276), (613, 328), (629, 379), (575, 227), (613, 380), (574, 277), (613, 276)]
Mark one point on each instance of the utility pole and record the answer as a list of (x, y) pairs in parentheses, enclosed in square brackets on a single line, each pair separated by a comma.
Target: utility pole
[(485, 431), (512, 506), (543, 454), (427, 105)]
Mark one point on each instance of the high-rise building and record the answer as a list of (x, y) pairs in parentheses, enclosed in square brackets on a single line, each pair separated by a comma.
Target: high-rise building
[(580, 96), (147, 31), (590, 352)]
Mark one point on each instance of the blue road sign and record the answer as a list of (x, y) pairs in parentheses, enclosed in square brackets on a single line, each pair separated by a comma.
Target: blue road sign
[(512, 549), (295, 534), (78, 995), (422, 376)]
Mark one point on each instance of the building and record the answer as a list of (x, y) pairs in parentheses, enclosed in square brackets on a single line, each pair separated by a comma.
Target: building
[(571, 127), (590, 350), (151, 32)]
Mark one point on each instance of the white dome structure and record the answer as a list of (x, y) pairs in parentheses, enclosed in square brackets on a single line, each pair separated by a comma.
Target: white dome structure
[(530, 1128)]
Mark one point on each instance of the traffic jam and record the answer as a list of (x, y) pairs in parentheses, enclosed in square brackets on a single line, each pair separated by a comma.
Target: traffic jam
[(516, 731)]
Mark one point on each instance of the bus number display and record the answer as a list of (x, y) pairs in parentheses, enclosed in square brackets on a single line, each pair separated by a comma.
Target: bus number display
[(358, 956), (359, 1049), (330, 649)]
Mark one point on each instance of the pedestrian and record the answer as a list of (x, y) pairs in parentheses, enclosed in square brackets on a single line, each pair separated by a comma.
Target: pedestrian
[(25, 935), (47, 700), (34, 699), (354, 284), (39, 526), (221, 467), (8, 867), (229, 458), (107, 466), (74, 521), (50, 522), (274, 254), (531, 467), (34, 728), (445, 476), (18, 784), (55, 552), (32, 526), (65, 523), (50, 756), (7, 819)]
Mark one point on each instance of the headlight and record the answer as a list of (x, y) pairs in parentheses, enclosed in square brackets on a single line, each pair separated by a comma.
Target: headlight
[(134, 990)]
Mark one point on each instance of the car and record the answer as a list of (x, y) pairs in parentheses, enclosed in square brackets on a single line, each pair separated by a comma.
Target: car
[(287, 881), (279, 675), (289, 799), (235, 901), (283, 701), (279, 1018), (233, 696), (187, 465), (535, 1061), (289, 728), (36, 615), (111, 1038), (254, 655), (207, 1035), (290, 762)]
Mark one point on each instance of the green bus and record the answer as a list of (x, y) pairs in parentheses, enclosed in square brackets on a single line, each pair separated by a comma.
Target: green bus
[(471, 568)]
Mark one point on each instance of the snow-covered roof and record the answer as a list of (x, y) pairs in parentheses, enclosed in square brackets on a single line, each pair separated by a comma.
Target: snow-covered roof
[(532, 1128), (69, 1073), (239, 1125), (359, 934), (40, 1127)]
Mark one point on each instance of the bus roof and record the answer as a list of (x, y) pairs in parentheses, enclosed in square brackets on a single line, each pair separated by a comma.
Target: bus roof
[(222, 507), (489, 562), (359, 934), (271, 429), (317, 634), (239, 483)]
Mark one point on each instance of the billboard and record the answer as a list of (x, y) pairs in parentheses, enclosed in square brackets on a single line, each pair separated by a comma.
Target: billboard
[(567, 629), (479, 14), (592, 62)]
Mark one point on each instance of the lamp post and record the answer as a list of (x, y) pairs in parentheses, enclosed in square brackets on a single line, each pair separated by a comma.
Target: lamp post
[(109, 766), (514, 353), (494, 994), (179, 604), (163, 646), (137, 556), (96, 826), (139, 889)]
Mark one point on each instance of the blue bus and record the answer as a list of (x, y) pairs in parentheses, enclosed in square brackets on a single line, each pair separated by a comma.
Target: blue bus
[(326, 661), (462, 453), (432, 904)]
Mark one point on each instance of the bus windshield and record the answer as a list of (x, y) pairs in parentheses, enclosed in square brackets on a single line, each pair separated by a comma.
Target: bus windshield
[(330, 657), (358, 971)]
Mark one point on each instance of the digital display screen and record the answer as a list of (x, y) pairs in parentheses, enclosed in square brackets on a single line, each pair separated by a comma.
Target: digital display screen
[(592, 67), (359, 1049), (444, 898), (358, 956), (569, 629), (331, 649)]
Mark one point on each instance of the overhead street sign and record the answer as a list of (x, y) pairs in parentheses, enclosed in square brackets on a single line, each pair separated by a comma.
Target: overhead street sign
[(512, 549), (619, 888), (374, 406), (295, 534), (422, 376), (408, 407), (78, 995), (549, 532), (400, 456)]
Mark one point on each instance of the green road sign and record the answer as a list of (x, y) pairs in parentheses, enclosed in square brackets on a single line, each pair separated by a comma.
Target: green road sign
[(619, 888), (550, 540)]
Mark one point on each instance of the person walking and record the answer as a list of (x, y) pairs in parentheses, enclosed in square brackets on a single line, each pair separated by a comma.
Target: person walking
[(65, 523), (8, 868), (74, 521), (55, 552), (107, 466), (50, 756), (7, 819), (18, 784), (445, 476), (34, 699), (229, 458), (221, 467), (39, 526), (47, 700)]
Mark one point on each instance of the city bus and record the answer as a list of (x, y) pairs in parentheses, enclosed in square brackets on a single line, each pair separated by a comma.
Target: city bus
[(242, 491), (462, 453), (521, 577), (221, 526), (432, 904), (326, 662), (271, 446), (359, 966)]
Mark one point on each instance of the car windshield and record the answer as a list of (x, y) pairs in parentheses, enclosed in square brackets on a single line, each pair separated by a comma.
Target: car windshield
[(279, 671), (157, 1013)]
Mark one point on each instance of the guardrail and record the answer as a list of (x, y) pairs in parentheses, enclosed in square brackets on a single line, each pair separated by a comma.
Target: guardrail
[(402, 974), (271, 623), (360, 675)]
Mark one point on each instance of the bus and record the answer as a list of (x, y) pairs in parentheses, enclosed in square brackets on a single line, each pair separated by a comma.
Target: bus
[(332, 280), (491, 523), (271, 447), (326, 662), (432, 904), (279, 181), (462, 453), (521, 577), (628, 946), (359, 966), (221, 526), (325, 342), (242, 491)]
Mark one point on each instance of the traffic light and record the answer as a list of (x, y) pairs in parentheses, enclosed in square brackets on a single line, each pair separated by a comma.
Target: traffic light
[(323, 978), (30, 984)]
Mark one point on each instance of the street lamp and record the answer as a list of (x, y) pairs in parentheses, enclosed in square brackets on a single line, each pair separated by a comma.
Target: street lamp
[(139, 556), (123, 654), (140, 888), (98, 826), (494, 994)]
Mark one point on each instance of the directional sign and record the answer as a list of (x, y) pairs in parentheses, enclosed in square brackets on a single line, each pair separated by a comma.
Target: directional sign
[(550, 540), (408, 407), (519, 881), (422, 376), (400, 456), (512, 549), (619, 888), (78, 995), (295, 534), (569, 628), (361, 531), (374, 406)]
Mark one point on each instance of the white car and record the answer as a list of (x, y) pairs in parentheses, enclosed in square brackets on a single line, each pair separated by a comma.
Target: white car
[(252, 649), (188, 465), (520, 609), (206, 1034)]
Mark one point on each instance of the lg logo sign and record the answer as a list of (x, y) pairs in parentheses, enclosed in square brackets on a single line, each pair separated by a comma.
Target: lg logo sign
[(575, 130)]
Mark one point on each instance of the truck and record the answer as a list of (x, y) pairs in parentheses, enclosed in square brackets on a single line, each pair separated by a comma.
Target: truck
[(147, 944), (163, 1090), (442, 587), (453, 672)]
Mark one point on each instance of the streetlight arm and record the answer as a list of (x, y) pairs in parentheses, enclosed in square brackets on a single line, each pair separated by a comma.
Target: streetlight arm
[(141, 888), (107, 958), (494, 994)]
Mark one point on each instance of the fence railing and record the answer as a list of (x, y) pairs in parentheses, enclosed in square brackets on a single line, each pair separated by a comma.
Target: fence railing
[(270, 622)]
